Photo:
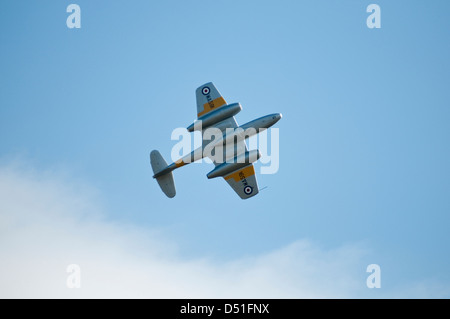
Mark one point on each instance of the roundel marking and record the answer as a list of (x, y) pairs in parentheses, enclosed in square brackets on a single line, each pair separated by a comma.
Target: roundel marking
[(205, 90), (248, 190)]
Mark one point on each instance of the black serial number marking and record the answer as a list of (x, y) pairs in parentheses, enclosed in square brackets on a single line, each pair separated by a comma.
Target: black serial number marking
[(242, 178), (210, 101)]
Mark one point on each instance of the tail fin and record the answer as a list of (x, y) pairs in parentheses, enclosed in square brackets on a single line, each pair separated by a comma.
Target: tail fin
[(165, 180)]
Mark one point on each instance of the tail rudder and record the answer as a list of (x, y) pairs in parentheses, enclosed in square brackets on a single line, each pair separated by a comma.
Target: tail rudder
[(163, 174)]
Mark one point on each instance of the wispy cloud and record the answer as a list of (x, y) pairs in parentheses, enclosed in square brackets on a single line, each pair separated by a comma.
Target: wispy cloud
[(47, 223)]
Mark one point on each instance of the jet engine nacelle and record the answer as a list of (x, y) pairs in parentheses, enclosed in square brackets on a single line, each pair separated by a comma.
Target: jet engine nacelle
[(238, 162), (214, 117)]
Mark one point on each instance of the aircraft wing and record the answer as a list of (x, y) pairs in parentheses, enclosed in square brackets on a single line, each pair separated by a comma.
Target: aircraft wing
[(208, 99), (243, 182)]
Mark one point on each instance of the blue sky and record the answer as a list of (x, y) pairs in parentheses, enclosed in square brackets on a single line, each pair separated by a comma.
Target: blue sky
[(363, 140)]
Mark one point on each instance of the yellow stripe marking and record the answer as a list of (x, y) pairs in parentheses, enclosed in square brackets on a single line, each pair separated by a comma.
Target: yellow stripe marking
[(180, 163), (214, 104), (241, 174)]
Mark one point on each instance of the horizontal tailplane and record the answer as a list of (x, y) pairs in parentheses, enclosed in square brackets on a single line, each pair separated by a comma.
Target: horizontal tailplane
[(162, 174)]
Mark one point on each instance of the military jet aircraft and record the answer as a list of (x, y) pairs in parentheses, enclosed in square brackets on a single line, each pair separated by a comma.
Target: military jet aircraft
[(235, 166)]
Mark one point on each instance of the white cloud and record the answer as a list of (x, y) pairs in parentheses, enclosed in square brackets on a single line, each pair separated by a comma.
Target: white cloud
[(47, 223)]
